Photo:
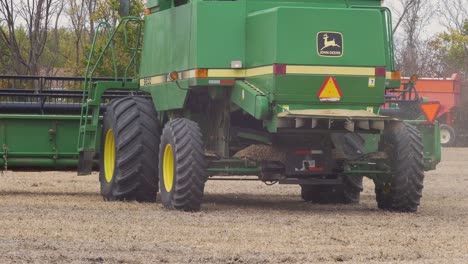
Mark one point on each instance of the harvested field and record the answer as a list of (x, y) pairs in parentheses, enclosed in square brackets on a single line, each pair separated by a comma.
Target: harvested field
[(57, 217)]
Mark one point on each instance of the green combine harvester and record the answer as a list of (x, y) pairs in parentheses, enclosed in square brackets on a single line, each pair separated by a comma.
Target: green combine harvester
[(306, 79)]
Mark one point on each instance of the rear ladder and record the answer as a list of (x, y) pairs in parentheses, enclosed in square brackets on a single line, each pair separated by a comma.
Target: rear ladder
[(94, 90)]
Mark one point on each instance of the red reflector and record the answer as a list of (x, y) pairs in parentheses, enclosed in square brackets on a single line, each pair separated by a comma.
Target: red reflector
[(380, 71), (229, 82), (279, 68), (315, 169), (430, 110)]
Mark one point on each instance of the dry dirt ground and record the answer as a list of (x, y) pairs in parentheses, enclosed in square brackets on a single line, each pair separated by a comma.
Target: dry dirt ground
[(57, 217)]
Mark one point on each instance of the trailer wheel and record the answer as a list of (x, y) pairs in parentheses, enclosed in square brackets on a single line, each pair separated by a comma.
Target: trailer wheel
[(182, 166), (447, 135), (129, 151), (346, 193), (403, 191)]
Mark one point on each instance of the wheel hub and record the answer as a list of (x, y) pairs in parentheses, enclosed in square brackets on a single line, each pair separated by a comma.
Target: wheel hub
[(445, 136)]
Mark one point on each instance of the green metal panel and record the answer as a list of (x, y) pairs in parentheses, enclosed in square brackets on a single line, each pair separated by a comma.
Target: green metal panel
[(169, 95), (39, 140), (154, 3), (288, 35), (293, 88), (431, 140), (166, 48), (251, 100), (256, 5), (220, 33), (167, 41), (185, 37)]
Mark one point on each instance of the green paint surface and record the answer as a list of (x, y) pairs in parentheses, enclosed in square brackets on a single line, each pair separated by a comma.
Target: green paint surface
[(212, 34), (39, 139)]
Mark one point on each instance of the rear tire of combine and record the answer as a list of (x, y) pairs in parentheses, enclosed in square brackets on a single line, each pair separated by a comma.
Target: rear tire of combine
[(129, 151), (348, 192), (447, 135), (182, 165), (403, 192)]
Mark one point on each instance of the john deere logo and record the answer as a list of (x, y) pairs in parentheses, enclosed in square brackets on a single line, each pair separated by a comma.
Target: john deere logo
[(330, 44)]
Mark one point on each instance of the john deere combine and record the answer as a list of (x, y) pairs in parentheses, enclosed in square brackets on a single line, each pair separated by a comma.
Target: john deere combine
[(305, 78)]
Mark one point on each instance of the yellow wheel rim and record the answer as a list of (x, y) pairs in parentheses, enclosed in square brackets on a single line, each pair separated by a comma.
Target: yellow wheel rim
[(109, 156), (168, 168)]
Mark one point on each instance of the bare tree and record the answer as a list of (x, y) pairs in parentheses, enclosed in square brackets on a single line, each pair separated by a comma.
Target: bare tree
[(454, 14), (91, 5), (77, 12), (8, 17), (403, 14), (50, 64), (38, 16), (413, 20)]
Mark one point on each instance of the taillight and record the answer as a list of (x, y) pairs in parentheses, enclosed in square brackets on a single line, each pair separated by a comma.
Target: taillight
[(201, 73), (380, 71), (279, 68), (396, 75)]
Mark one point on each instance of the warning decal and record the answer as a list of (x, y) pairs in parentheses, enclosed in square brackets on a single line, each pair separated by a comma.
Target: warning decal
[(330, 91)]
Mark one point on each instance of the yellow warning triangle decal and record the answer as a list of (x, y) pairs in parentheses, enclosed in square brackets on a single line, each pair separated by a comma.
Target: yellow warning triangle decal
[(330, 91)]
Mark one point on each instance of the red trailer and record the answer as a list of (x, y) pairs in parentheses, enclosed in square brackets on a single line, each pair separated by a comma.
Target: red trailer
[(454, 109)]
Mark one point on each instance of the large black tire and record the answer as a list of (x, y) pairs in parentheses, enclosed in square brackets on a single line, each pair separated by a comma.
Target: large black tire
[(403, 192), (129, 151), (346, 193), (447, 135), (182, 165)]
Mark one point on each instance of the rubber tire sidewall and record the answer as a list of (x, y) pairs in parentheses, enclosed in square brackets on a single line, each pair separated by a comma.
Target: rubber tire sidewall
[(189, 179), (136, 180), (451, 131), (406, 184)]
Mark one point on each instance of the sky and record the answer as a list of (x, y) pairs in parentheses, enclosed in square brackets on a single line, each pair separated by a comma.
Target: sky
[(432, 29)]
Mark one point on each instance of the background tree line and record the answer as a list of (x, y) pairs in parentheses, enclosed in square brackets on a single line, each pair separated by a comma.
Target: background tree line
[(428, 54), (53, 37)]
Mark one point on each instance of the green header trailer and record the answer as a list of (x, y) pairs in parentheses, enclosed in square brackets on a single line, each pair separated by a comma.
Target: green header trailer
[(287, 91), (40, 120)]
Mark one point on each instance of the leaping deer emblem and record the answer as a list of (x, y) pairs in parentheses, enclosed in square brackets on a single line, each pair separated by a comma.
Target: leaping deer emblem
[(328, 43)]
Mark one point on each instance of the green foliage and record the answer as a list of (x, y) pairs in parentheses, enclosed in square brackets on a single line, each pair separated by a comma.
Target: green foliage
[(124, 40), (7, 65), (4, 58), (452, 50), (69, 55)]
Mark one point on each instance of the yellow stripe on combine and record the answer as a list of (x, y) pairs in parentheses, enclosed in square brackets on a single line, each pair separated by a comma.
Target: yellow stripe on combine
[(388, 75), (240, 73), (259, 71), (292, 69), (266, 70), (328, 70)]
